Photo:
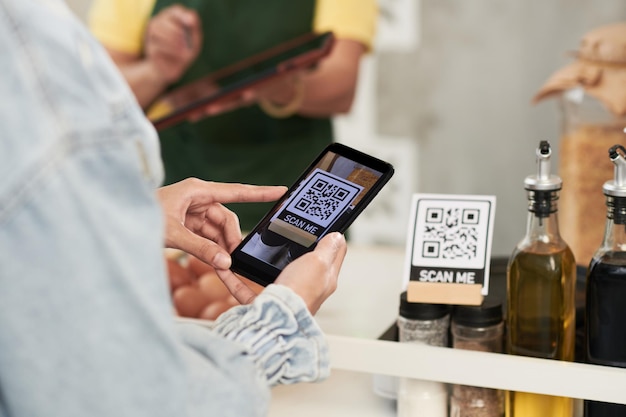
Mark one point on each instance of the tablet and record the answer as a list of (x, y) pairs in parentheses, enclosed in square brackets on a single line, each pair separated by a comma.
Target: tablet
[(299, 53)]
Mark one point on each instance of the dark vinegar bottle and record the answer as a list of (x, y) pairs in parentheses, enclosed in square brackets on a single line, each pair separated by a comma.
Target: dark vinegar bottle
[(605, 317)]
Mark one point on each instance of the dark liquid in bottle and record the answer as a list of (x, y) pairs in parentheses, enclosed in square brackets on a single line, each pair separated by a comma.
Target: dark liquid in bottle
[(606, 322)]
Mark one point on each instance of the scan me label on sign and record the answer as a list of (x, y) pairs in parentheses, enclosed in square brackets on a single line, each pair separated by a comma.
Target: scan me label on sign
[(449, 244)]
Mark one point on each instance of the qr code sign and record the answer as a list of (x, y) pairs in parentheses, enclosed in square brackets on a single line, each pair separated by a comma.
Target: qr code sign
[(451, 233), (322, 198)]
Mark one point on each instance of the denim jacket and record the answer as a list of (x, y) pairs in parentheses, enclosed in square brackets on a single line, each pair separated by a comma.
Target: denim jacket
[(86, 323)]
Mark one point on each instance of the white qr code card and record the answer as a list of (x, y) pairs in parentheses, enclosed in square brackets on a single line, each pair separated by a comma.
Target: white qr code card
[(449, 248)]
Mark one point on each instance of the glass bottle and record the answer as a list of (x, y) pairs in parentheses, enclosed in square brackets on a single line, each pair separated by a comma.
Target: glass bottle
[(591, 93), (479, 328), (428, 324), (541, 283), (605, 333)]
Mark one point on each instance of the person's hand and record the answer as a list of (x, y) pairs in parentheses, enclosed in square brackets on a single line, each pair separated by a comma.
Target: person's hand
[(198, 223), (243, 99), (313, 276), (173, 41), (281, 90)]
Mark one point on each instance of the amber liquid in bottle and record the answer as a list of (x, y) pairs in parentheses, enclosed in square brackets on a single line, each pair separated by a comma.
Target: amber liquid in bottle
[(541, 323), (541, 305)]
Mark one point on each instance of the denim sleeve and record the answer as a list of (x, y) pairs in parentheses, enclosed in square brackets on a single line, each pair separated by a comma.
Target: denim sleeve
[(279, 335)]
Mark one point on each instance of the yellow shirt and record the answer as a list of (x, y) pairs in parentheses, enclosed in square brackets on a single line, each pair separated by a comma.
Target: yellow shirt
[(120, 24)]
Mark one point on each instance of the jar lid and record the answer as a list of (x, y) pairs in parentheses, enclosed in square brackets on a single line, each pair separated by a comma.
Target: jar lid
[(422, 311), (599, 69), (605, 44), (487, 314)]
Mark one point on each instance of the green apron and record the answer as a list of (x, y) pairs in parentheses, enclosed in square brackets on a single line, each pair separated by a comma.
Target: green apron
[(244, 145)]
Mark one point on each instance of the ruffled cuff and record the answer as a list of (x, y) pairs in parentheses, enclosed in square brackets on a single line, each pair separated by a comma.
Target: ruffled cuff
[(280, 335)]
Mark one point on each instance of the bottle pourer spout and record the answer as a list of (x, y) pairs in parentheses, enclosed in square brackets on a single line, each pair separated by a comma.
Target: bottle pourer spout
[(543, 181), (617, 187), (543, 160)]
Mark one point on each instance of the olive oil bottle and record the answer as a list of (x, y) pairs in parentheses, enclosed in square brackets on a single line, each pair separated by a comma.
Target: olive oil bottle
[(605, 312), (541, 284)]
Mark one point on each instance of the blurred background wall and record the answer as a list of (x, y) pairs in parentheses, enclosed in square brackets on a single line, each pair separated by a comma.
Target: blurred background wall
[(446, 97)]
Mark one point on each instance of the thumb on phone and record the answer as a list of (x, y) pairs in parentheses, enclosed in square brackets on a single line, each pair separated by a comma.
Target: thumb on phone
[(313, 276)]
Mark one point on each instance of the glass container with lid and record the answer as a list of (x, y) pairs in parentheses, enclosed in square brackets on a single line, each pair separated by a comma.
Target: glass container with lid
[(427, 324), (479, 328), (591, 92)]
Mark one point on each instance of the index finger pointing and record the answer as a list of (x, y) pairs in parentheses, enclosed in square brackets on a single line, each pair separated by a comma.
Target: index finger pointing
[(209, 192)]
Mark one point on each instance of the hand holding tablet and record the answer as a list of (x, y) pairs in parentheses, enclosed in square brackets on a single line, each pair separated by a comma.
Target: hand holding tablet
[(235, 85)]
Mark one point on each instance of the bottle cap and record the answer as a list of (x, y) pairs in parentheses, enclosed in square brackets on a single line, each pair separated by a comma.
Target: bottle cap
[(617, 186), (422, 311), (543, 181), (487, 314)]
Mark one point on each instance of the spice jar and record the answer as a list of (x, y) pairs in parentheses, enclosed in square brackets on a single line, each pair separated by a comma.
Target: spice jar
[(591, 92), (479, 328), (428, 324)]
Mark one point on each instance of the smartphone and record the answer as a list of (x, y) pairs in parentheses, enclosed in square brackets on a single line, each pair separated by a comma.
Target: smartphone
[(302, 52), (327, 197)]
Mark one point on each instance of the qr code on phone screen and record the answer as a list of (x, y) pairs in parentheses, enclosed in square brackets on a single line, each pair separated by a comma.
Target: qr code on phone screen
[(323, 197)]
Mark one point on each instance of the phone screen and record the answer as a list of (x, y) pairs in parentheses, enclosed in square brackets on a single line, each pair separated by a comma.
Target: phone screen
[(328, 196)]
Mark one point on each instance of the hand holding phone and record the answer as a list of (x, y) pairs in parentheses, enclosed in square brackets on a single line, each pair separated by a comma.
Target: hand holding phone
[(314, 275), (327, 197)]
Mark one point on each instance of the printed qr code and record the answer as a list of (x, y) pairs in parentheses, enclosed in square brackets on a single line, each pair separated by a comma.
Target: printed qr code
[(322, 198), (450, 233)]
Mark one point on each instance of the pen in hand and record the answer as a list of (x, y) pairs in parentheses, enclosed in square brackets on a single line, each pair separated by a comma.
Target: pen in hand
[(187, 34)]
